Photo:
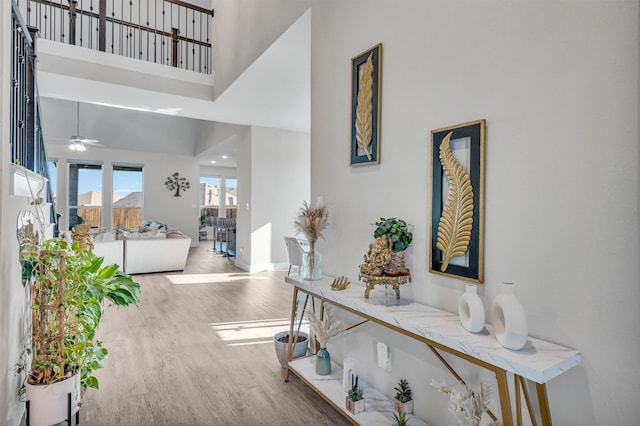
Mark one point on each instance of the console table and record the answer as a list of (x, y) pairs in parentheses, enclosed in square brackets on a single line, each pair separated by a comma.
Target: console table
[(538, 361)]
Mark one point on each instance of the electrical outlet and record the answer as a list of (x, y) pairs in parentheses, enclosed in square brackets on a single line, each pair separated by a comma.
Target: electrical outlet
[(384, 356)]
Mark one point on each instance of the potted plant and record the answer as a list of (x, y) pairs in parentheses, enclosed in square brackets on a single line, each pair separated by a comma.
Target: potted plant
[(403, 401), (355, 399), (400, 418), (401, 238), (300, 342), (69, 286), (324, 328)]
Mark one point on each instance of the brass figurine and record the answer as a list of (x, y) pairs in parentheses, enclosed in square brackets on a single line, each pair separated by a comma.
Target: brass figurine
[(378, 256), (340, 283)]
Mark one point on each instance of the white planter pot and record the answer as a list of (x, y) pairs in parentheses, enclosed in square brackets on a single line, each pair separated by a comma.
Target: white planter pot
[(407, 407), (354, 407), (471, 310), (48, 404), (299, 349), (509, 319)]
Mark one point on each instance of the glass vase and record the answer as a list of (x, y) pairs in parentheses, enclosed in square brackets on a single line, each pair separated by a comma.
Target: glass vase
[(323, 362), (311, 266)]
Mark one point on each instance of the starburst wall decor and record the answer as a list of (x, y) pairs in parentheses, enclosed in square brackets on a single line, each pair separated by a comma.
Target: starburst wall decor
[(177, 183)]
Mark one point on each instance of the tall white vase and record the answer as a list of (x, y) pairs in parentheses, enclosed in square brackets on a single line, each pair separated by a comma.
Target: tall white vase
[(471, 309), (509, 319)]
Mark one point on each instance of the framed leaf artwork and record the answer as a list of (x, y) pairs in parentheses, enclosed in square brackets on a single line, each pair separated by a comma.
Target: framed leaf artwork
[(457, 201), (365, 106)]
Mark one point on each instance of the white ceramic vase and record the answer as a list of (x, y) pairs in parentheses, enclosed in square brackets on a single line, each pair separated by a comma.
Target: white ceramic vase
[(471, 310), (509, 319)]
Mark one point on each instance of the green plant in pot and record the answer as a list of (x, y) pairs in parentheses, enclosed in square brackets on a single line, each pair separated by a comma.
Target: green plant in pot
[(403, 401), (401, 238), (69, 287), (355, 397)]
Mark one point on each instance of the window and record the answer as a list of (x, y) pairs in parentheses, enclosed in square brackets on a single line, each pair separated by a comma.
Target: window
[(231, 196), (128, 198), (85, 194), (209, 197)]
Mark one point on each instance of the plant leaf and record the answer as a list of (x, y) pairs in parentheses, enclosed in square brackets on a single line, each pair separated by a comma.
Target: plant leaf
[(456, 221), (364, 107)]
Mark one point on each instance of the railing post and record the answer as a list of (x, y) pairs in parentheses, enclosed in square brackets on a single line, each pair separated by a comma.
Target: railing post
[(102, 26), (174, 46), (72, 21)]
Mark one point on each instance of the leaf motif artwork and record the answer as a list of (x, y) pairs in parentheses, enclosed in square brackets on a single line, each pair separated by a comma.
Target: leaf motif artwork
[(364, 108), (456, 221)]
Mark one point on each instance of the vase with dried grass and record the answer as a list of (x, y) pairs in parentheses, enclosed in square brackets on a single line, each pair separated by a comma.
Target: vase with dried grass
[(311, 221)]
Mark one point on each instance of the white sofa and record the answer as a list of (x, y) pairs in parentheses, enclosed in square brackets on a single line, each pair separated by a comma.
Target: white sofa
[(155, 255), (138, 256), (112, 251)]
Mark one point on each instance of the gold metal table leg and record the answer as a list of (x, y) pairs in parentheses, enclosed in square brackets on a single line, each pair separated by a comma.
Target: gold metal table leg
[(505, 402), (543, 403)]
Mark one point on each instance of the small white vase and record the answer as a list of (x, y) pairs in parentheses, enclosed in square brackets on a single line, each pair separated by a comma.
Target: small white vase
[(509, 319), (471, 309)]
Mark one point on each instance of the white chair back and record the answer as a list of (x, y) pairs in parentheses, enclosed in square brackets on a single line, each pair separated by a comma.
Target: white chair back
[(294, 252)]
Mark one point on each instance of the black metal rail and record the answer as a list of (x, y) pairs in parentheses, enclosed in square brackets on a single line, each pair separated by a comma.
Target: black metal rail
[(170, 32)]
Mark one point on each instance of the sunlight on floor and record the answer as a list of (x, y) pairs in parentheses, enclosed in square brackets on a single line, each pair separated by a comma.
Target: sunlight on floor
[(211, 278), (241, 333)]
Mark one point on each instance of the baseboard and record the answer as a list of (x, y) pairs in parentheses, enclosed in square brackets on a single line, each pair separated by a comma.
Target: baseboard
[(258, 267)]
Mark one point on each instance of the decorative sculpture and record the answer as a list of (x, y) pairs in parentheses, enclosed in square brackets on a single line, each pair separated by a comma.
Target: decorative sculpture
[(81, 233), (177, 183), (456, 222), (340, 283)]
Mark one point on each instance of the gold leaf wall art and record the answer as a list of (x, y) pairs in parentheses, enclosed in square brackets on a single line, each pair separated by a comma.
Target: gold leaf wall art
[(364, 108), (366, 92), (456, 221)]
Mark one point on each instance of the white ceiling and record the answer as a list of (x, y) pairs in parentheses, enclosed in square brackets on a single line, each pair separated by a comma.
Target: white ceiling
[(273, 92)]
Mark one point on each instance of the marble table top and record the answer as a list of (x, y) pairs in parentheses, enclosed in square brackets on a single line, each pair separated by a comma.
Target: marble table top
[(538, 361)]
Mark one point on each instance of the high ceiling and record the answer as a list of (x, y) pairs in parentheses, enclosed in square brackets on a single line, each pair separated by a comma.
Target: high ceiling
[(273, 92)]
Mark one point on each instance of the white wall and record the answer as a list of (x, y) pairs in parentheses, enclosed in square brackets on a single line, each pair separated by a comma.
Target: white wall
[(269, 195), (243, 221), (280, 177), (244, 29), (159, 203), (558, 86)]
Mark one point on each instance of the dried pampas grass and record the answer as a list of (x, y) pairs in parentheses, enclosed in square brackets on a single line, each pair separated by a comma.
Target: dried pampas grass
[(324, 328), (311, 221)]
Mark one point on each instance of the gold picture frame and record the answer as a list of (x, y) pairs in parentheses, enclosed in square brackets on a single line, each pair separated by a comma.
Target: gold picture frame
[(365, 106), (457, 201)]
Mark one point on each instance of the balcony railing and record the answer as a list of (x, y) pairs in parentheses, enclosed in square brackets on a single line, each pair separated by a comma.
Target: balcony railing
[(170, 32), (26, 139)]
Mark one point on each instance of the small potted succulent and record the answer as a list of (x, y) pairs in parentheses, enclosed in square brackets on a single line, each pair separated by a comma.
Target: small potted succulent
[(355, 399), (403, 401), (400, 418), (398, 231)]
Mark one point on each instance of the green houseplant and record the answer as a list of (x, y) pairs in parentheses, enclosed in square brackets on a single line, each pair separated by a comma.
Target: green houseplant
[(397, 230), (403, 401), (68, 289), (355, 399)]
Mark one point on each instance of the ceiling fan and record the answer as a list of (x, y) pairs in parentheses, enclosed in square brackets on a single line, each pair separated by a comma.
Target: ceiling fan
[(78, 143)]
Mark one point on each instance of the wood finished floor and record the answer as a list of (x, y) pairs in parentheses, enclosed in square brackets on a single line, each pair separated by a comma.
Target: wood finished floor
[(176, 360)]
